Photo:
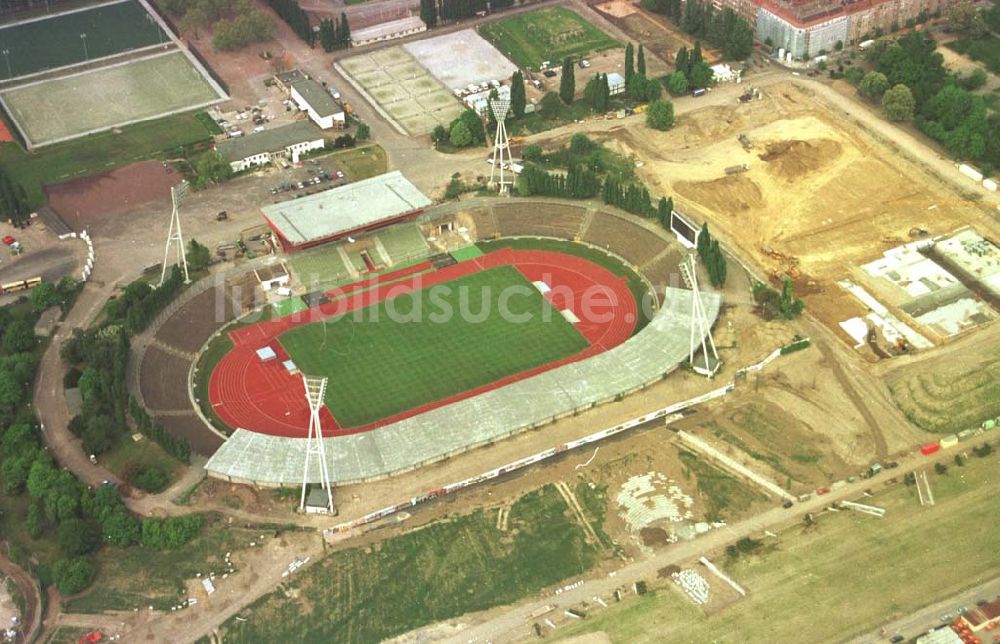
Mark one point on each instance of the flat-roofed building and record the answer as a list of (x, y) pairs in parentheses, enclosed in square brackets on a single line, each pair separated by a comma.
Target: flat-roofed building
[(315, 100), (288, 141), (388, 31), (351, 209)]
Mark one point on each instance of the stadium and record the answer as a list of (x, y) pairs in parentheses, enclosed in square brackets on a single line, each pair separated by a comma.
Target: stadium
[(451, 329)]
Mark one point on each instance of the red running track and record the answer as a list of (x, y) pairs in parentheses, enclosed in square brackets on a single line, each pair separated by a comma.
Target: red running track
[(263, 397)]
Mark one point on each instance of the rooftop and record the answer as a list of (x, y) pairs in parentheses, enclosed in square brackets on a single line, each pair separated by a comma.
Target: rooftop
[(290, 76), (983, 614), (385, 29), (270, 140), (318, 98), (344, 209)]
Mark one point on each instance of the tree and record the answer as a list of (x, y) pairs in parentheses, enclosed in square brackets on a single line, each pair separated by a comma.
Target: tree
[(550, 105), (696, 57), (962, 16), (429, 12), (677, 83), (873, 85), (682, 61), (640, 61), (198, 256), (517, 96), (72, 575), (98, 435), (660, 115), (940, 468), (327, 35), (475, 125), (460, 136), (151, 479), (629, 62), (439, 134), (79, 537), (975, 80), (701, 75), (532, 152), (364, 131), (567, 81), (19, 336), (854, 75), (898, 103), (663, 209), (211, 167), (789, 306), (44, 295)]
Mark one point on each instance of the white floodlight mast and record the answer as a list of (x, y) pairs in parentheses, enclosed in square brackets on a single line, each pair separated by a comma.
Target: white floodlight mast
[(501, 145), (174, 235), (315, 394)]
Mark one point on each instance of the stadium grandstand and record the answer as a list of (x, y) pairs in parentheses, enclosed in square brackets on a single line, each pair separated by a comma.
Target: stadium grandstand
[(431, 436), (348, 210)]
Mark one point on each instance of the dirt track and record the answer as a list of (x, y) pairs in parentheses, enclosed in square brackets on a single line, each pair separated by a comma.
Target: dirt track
[(31, 621)]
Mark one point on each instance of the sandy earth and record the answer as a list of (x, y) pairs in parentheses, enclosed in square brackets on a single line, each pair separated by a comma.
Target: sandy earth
[(816, 200)]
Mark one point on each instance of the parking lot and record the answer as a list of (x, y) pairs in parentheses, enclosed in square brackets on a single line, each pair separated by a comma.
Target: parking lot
[(306, 178)]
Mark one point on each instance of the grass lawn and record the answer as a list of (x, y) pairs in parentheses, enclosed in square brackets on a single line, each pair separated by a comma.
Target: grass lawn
[(856, 571), (207, 361), (134, 577), (636, 284), (55, 42), (549, 34), (128, 458), (419, 348), (362, 163), (985, 50), (67, 635), (722, 493), (160, 138), (434, 573)]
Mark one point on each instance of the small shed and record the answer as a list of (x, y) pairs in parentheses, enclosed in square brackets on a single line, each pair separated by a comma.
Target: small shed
[(266, 354), (290, 367), (616, 84), (317, 501)]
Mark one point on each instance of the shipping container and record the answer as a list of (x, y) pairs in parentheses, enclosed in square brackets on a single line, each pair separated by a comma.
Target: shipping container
[(929, 449)]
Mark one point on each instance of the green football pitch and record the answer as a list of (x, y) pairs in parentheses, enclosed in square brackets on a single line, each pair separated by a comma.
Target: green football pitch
[(393, 358), (54, 42)]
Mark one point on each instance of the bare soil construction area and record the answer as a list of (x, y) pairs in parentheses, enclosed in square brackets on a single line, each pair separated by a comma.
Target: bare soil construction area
[(818, 198)]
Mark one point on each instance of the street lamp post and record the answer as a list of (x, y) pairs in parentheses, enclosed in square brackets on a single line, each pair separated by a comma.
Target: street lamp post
[(6, 57), (83, 37)]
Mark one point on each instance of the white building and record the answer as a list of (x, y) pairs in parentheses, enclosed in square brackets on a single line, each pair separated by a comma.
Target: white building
[(312, 98), (388, 31), (480, 100), (288, 141), (616, 84)]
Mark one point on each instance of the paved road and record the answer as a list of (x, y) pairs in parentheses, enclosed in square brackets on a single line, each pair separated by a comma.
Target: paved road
[(513, 623), (31, 620), (930, 617)]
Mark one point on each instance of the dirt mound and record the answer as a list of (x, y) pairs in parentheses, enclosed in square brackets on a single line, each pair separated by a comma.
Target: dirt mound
[(792, 159), (653, 536), (728, 195)]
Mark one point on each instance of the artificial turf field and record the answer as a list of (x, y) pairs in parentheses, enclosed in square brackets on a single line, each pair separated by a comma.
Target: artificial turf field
[(55, 42), (383, 363), (106, 97)]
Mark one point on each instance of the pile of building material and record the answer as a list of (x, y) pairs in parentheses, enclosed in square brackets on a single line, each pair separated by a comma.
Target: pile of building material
[(647, 498), (693, 584)]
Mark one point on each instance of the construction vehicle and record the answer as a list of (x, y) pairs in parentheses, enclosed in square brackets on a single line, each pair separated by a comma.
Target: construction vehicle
[(737, 169), (745, 142)]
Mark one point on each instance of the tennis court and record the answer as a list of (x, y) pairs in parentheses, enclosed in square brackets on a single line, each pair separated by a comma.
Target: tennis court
[(70, 106), (76, 36), (403, 89)]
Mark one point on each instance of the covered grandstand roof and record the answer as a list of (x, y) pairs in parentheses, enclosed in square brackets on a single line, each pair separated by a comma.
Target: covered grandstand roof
[(433, 435), (338, 212)]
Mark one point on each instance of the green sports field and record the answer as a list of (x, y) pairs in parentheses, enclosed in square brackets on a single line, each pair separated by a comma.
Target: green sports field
[(108, 97), (545, 34), (55, 42), (382, 364)]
